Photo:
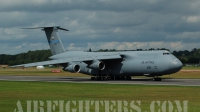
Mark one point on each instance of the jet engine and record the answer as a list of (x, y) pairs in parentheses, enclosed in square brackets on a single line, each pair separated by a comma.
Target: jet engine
[(97, 65), (72, 67)]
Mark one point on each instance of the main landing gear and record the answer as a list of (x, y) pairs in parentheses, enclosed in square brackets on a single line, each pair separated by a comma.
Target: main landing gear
[(111, 78)]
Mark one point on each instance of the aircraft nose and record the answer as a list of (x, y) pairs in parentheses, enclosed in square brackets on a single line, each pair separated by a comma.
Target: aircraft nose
[(176, 65)]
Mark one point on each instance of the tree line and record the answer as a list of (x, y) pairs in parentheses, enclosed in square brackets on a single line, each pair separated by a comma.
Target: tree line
[(28, 57), (186, 57)]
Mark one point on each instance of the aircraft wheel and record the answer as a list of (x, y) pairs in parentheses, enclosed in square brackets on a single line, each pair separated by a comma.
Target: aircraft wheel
[(123, 77), (157, 79), (128, 77), (99, 78), (112, 78), (117, 77), (107, 78), (103, 78), (92, 78)]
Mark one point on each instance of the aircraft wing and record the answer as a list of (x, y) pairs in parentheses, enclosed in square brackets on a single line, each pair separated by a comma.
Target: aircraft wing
[(67, 60)]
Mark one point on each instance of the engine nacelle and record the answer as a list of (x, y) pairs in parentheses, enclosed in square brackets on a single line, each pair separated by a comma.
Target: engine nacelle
[(99, 65), (74, 68)]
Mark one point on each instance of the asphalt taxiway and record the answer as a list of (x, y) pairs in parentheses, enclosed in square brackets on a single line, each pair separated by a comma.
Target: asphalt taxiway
[(143, 81)]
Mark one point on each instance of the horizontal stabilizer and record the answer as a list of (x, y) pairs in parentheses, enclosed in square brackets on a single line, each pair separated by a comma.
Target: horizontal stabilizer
[(58, 27)]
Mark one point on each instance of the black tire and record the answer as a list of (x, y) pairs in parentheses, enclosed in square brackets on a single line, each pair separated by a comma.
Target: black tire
[(157, 79)]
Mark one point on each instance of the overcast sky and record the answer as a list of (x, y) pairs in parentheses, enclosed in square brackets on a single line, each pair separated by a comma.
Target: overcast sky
[(101, 24)]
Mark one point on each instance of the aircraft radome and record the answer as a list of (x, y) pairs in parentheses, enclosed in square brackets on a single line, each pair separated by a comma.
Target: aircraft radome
[(108, 65)]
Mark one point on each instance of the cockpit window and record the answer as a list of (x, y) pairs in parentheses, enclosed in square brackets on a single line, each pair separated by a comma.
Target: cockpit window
[(166, 53)]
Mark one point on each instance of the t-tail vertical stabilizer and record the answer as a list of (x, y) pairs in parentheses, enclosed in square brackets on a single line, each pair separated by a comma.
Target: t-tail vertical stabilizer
[(54, 41)]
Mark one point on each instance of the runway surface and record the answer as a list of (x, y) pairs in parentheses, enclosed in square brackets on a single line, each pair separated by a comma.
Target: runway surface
[(143, 81)]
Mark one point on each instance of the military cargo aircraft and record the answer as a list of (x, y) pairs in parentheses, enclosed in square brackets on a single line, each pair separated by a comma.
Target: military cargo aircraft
[(108, 65)]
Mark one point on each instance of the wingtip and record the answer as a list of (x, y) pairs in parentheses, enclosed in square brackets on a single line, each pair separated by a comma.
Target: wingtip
[(62, 29)]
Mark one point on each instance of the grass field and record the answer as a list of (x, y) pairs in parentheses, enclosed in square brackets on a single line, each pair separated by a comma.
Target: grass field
[(186, 72), (37, 72), (11, 91)]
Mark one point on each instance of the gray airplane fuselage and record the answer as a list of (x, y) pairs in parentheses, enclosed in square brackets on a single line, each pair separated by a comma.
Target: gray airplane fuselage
[(110, 65), (134, 63)]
